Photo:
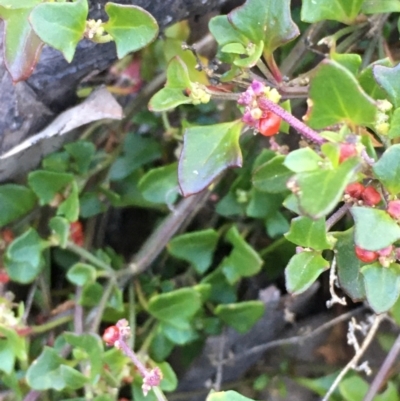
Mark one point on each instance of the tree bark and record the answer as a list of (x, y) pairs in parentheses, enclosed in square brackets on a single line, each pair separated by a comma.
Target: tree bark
[(29, 106)]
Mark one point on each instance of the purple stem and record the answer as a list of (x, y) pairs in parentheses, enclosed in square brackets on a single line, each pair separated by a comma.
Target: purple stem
[(132, 356), (335, 217), (306, 131)]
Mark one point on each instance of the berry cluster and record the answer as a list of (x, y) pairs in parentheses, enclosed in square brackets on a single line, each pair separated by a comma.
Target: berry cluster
[(357, 192), (257, 115)]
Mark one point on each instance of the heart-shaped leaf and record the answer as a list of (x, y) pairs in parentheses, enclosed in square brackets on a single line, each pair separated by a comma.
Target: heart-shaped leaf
[(60, 25), (15, 200), (389, 79), (309, 233), (368, 81), (345, 11), (303, 159), (380, 6), (241, 316), (348, 266), (382, 285), (330, 184), (385, 230), (303, 269), (23, 259), (22, 46), (269, 21), (174, 92), (196, 248), (346, 103), (131, 27), (387, 169), (272, 176), (207, 152)]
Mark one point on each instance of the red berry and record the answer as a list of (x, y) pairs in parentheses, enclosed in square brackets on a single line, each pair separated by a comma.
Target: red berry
[(111, 335), (394, 209), (76, 233), (371, 196), (346, 151), (269, 126), (8, 235), (365, 256), (4, 277), (355, 190)]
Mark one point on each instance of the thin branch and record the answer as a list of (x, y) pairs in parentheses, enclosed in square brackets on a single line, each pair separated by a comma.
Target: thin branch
[(332, 281), (383, 371), (359, 353), (296, 339), (335, 217)]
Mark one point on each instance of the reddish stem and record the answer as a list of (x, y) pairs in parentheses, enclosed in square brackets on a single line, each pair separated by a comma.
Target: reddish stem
[(269, 58)]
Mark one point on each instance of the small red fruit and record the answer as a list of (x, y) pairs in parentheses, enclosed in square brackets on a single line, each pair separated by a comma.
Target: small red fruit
[(355, 190), (365, 256), (76, 233), (394, 209), (371, 196), (269, 126), (346, 151), (7, 235), (111, 335), (4, 277)]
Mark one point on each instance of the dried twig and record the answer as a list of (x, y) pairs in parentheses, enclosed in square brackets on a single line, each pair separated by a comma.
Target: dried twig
[(332, 282)]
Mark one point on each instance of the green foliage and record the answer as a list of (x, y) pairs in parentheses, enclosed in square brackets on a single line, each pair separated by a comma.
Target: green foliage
[(255, 209)]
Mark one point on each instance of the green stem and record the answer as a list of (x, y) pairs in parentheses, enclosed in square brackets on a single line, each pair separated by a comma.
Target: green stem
[(270, 248), (89, 257), (51, 324), (102, 39), (132, 314)]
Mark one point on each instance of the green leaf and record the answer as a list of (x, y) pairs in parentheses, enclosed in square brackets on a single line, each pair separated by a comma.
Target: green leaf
[(138, 151), (81, 274), (265, 20), (241, 316), (303, 159), (309, 233), (47, 184), (276, 225), (160, 185), (173, 94), (394, 130), (224, 32), (302, 271), (60, 229), (263, 205), (169, 381), (22, 46), (368, 82), (243, 261), (131, 27), (196, 248), (221, 290), (253, 53), (207, 152), (160, 346), (389, 80), (23, 259), (82, 153), (380, 6), (330, 184), (12, 346), (385, 230), (382, 285), (92, 346), (345, 11), (178, 332), (175, 306), (15, 201), (227, 396), (60, 25), (351, 62), (272, 176), (387, 169), (50, 372), (69, 208), (348, 266), (346, 103)]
